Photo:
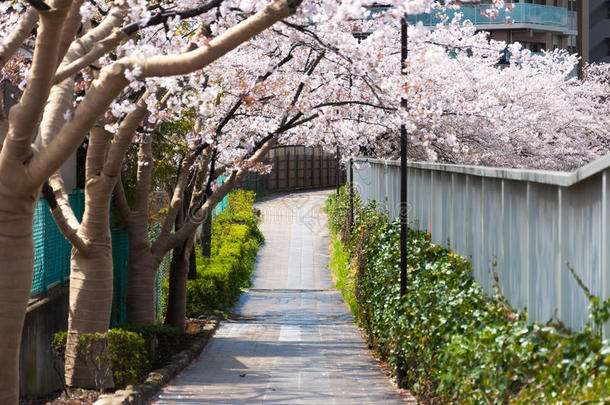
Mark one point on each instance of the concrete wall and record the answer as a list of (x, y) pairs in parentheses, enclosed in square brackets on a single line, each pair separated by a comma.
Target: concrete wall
[(527, 222), (44, 317)]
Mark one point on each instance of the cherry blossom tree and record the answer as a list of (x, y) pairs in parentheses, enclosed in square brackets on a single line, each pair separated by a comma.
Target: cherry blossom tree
[(244, 108), (60, 52), (467, 104), (337, 89)]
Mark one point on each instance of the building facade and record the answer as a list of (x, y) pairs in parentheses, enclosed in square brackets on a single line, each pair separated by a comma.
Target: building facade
[(536, 24), (599, 30)]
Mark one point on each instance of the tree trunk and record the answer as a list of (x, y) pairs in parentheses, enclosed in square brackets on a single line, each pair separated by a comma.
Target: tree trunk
[(143, 268), (91, 282), (206, 237), (16, 268), (176, 303), (91, 279), (192, 274)]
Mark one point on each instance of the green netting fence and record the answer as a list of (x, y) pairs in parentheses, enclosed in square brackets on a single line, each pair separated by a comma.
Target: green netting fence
[(52, 256), (51, 250)]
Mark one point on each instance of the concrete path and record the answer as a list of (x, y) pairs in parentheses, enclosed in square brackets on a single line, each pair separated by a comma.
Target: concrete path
[(292, 339)]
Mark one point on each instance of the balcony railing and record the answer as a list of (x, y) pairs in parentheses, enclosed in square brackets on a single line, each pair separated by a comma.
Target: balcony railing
[(522, 13)]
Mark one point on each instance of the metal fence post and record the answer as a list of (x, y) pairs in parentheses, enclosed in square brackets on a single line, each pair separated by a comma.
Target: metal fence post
[(337, 181), (287, 168), (296, 168), (351, 193)]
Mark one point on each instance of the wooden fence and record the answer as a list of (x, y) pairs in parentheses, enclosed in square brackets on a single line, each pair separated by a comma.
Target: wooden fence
[(296, 168)]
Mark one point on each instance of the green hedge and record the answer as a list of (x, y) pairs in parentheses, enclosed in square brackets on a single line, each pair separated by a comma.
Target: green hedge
[(452, 342), (161, 342), (124, 350), (236, 240)]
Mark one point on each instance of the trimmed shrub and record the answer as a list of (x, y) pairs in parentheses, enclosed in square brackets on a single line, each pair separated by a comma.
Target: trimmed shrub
[(452, 342), (236, 240), (123, 350), (161, 342)]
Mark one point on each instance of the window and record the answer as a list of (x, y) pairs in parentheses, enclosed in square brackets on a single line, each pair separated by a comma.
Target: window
[(571, 5), (533, 46)]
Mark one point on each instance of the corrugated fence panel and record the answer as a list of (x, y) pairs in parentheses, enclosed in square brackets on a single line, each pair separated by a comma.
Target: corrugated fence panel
[(581, 234), (522, 225), (543, 237), (514, 273)]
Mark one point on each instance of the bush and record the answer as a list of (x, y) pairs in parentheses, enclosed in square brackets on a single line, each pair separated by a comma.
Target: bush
[(160, 341), (123, 350), (452, 342), (236, 240)]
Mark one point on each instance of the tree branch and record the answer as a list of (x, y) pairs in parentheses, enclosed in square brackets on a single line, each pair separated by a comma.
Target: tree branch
[(186, 63), (348, 102), (301, 86), (177, 201), (144, 175), (71, 27), (22, 31), (23, 117), (63, 215), (39, 5), (163, 16), (162, 247), (120, 200), (93, 45), (112, 80)]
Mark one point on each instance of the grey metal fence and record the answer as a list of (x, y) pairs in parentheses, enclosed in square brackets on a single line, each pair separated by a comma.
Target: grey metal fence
[(523, 224)]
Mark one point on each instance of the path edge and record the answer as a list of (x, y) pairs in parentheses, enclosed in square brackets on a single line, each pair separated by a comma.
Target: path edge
[(157, 379)]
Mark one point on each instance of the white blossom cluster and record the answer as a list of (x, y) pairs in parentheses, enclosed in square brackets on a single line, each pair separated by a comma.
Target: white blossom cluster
[(461, 105)]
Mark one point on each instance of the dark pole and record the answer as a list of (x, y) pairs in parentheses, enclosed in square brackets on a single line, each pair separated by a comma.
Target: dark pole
[(404, 50), (351, 193), (337, 181), (403, 184)]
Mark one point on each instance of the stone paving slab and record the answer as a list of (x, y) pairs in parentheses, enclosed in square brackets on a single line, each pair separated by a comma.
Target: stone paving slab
[(292, 340)]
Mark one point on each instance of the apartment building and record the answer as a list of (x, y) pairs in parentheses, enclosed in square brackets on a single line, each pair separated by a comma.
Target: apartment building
[(536, 24)]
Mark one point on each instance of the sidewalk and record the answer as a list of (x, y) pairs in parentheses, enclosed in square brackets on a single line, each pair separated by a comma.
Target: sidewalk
[(292, 339)]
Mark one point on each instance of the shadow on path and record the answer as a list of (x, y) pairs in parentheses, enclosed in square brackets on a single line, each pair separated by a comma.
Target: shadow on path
[(292, 339)]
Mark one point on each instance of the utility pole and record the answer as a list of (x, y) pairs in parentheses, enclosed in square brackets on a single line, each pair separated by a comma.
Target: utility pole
[(351, 193), (337, 173), (404, 51)]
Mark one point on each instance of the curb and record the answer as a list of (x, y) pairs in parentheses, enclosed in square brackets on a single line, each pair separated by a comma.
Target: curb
[(138, 394)]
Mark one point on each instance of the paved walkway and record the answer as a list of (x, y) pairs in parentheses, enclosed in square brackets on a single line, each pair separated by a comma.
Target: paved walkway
[(292, 339)]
